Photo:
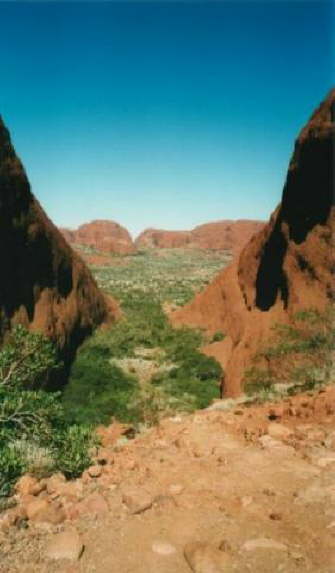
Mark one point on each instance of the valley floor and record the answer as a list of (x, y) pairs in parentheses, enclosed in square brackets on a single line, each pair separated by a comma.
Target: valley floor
[(251, 489)]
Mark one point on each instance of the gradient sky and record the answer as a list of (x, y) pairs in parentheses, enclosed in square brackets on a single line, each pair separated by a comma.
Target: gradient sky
[(164, 114)]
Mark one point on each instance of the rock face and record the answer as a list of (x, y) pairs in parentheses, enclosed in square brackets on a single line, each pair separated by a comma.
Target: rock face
[(286, 267), (218, 235), (44, 284), (105, 236), (160, 239)]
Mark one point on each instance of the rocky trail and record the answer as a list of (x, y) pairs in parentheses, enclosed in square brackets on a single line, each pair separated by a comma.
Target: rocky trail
[(247, 489)]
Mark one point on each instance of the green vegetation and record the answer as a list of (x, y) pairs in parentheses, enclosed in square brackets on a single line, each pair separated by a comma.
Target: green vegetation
[(99, 389), (168, 275), (182, 378), (34, 434), (218, 336), (301, 355)]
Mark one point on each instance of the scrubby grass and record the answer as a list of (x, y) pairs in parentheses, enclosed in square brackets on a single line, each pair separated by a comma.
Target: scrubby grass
[(300, 355), (172, 275), (98, 389)]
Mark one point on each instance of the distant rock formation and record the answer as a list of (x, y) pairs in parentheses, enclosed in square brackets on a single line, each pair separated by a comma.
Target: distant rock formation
[(218, 235), (44, 285), (288, 266), (160, 239), (102, 235)]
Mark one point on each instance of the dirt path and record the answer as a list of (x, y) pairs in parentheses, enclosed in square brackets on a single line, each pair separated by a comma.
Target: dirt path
[(257, 482)]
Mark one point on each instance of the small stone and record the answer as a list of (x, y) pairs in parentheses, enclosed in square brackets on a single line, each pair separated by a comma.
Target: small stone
[(27, 485), (263, 543), (45, 513), (94, 504), (279, 431), (315, 435), (55, 482), (163, 548), (137, 501), (36, 507), (161, 444), (94, 471), (246, 500), (268, 442), (205, 558), (72, 490), (297, 556), (176, 489), (326, 461), (275, 516), (130, 465), (65, 545), (104, 457), (276, 413)]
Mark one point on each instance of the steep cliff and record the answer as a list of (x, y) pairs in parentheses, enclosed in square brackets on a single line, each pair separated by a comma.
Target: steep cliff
[(44, 284), (288, 266), (103, 235)]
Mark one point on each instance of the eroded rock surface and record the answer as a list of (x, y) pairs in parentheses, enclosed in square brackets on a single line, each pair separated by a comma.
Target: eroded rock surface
[(216, 235), (286, 267), (103, 235), (44, 284)]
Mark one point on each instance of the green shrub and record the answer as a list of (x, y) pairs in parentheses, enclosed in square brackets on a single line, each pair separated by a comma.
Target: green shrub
[(11, 466), (72, 449), (32, 421), (218, 336), (97, 390)]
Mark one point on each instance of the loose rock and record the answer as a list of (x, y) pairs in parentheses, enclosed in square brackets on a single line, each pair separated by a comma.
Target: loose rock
[(137, 501), (279, 431), (65, 545), (163, 548), (205, 558), (263, 543)]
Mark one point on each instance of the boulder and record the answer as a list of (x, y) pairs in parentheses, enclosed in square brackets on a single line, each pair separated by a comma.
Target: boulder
[(65, 545)]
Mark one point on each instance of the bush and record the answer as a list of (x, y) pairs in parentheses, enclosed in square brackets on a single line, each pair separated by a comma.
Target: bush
[(32, 421), (72, 449), (99, 390), (218, 336), (300, 354)]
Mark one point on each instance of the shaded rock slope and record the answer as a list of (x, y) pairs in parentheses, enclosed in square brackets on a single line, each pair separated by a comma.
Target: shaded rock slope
[(44, 284), (102, 235), (288, 266), (217, 235)]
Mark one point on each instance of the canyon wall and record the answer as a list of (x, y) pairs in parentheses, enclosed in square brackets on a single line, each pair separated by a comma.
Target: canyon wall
[(287, 267), (44, 285)]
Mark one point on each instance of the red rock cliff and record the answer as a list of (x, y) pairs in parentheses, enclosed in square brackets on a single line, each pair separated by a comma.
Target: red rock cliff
[(217, 235), (44, 284), (103, 235), (286, 267)]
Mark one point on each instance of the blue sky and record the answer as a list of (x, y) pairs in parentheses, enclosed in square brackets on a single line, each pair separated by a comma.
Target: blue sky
[(164, 114)]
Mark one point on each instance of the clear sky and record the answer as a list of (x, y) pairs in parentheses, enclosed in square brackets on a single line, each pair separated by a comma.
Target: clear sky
[(164, 114)]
